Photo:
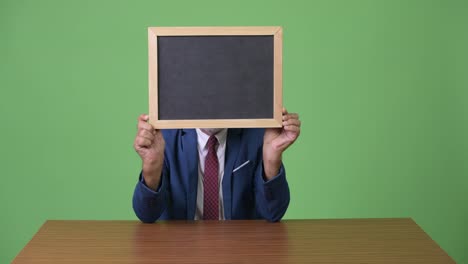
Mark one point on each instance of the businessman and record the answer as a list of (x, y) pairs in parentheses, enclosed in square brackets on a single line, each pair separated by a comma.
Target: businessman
[(213, 174)]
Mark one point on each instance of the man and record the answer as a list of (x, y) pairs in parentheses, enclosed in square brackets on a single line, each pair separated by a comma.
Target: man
[(213, 174)]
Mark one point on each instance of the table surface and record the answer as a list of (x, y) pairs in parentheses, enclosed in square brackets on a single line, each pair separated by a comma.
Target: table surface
[(249, 241)]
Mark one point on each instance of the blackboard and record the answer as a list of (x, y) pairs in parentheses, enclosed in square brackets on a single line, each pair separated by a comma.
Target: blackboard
[(215, 77)]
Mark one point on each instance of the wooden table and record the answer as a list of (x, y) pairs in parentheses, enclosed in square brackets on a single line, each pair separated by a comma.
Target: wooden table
[(290, 241)]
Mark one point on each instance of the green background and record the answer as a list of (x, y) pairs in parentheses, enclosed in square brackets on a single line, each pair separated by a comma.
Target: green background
[(381, 88)]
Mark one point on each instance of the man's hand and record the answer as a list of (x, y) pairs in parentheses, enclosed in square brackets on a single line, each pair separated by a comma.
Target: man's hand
[(149, 144), (277, 140)]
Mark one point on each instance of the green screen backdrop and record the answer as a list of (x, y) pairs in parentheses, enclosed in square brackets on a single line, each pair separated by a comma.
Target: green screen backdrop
[(381, 88)]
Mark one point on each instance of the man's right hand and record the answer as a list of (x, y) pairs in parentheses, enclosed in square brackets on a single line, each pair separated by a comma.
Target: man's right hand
[(149, 144)]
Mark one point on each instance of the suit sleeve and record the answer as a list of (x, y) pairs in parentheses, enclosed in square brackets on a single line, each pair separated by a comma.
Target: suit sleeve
[(148, 204), (272, 196)]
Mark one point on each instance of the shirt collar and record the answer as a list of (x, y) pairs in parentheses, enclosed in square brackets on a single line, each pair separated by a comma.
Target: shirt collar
[(203, 138)]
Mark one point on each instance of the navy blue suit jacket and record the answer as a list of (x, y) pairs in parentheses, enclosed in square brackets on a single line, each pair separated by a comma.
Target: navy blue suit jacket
[(246, 194)]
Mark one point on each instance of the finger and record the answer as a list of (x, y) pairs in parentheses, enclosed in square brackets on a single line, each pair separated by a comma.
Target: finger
[(146, 134), (146, 126), (142, 142), (294, 122), (290, 116), (143, 117), (285, 112), (292, 128), (142, 122), (157, 132)]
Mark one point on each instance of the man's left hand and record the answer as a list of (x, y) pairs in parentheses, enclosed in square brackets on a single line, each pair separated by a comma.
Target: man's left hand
[(277, 140)]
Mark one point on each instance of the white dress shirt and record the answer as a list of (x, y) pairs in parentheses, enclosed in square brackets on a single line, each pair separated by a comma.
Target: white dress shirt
[(202, 139)]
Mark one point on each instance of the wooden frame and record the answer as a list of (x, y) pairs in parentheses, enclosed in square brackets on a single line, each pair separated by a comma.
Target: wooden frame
[(154, 32)]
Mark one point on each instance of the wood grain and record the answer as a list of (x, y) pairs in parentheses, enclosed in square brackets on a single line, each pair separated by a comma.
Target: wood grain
[(290, 241), (219, 123), (214, 31), (278, 76), (152, 75)]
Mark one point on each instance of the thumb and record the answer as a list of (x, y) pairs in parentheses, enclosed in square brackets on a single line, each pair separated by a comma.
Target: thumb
[(143, 117)]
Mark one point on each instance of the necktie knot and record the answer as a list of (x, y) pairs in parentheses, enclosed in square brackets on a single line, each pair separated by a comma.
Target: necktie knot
[(212, 143)]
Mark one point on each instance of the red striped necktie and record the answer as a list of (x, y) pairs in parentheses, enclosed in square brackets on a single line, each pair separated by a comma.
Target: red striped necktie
[(211, 182)]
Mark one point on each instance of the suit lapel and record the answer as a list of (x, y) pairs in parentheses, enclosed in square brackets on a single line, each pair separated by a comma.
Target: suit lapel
[(233, 143), (190, 152)]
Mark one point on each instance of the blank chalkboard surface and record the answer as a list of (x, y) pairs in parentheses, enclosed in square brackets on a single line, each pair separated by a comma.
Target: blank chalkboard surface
[(215, 77)]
